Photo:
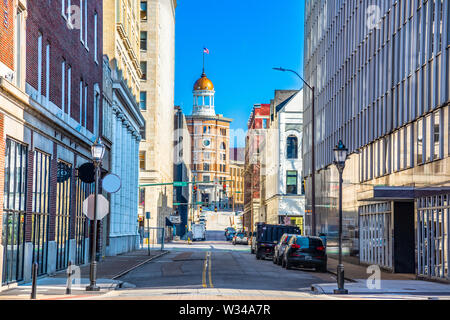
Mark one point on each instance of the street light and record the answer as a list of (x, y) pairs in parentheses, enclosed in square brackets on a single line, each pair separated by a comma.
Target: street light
[(340, 155), (97, 152), (313, 153)]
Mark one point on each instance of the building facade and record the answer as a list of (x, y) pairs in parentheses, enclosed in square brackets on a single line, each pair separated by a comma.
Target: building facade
[(283, 200), (50, 110), (236, 189), (182, 170), (257, 126), (157, 61), (122, 124), (210, 146), (121, 29), (383, 88)]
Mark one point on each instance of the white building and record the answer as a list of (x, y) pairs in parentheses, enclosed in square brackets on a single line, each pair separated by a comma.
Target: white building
[(281, 170), (122, 123)]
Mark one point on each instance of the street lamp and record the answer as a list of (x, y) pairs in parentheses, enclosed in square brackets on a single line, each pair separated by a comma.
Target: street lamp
[(340, 155), (313, 153), (97, 152)]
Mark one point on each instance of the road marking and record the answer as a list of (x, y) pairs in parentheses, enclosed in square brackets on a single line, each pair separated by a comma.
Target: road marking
[(210, 281), (205, 264)]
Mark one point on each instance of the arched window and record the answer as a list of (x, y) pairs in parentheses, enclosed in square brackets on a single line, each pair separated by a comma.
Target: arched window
[(292, 147), (222, 146)]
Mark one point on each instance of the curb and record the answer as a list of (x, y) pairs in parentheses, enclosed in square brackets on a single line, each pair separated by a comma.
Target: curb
[(345, 278), (136, 266)]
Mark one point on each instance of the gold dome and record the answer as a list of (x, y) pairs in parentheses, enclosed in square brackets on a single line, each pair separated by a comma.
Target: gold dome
[(203, 84)]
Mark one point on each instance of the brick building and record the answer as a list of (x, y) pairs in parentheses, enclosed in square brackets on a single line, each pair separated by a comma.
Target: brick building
[(49, 116), (210, 141), (257, 124)]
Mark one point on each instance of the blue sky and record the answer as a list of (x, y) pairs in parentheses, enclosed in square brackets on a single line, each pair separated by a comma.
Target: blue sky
[(246, 38)]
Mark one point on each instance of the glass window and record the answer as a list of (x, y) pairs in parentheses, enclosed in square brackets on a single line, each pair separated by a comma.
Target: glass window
[(436, 140), (143, 40), (291, 182), (142, 160), (143, 100), (144, 70), (428, 138), (420, 141), (143, 10), (292, 147)]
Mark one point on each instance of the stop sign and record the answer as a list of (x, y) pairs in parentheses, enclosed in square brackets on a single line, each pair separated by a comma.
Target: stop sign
[(103, 207)]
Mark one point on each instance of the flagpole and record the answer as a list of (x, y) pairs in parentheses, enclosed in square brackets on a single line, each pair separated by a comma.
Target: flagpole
[(203, 60)]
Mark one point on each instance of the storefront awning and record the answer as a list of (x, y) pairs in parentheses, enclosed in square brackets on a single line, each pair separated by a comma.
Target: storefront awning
[(386, 193)]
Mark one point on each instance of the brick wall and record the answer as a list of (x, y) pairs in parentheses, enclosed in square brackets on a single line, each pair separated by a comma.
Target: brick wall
[(45, 17), (53, 191), (29, 200), (7, 33), (2, 171)]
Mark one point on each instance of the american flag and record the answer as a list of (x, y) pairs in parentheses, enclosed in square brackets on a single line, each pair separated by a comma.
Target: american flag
[(205, 50)]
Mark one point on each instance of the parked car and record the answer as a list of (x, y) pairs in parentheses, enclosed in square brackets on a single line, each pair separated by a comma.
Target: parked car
[(228, 229), (307, 252), (278, 251), (267, 236), (230, 235), (240, 238)]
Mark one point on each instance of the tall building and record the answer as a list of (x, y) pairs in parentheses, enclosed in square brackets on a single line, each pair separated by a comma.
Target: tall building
[(236, 189), (257, 126), (50, 109), (282, 194), (157, 61), (121, 39), (382, 87), (122, 122), (182, 170), (210, 145)]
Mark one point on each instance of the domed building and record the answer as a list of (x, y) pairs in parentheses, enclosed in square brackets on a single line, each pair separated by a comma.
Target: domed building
[(210, 145)]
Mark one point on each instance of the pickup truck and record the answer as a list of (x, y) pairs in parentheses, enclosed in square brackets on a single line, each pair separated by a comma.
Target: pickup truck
[(266, 237)]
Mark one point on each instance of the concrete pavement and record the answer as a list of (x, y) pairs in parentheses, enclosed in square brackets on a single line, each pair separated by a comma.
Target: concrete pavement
[(108, 271)]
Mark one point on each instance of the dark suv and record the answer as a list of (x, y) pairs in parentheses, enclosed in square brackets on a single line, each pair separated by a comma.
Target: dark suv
[(278, 251), (307, 252)]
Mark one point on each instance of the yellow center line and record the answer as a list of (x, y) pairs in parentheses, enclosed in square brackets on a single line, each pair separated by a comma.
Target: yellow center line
[(205, 264), (210, 281)]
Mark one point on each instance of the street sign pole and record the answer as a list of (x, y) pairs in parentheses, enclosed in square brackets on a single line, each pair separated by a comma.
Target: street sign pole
[(93, 268), (147, 216)]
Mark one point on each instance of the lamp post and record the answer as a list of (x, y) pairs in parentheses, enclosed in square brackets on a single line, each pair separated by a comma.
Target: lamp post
[(313, 153), (97, 152), (340, 155)]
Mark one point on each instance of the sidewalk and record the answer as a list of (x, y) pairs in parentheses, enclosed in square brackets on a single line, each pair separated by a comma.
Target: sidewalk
[(355, 271), (356, 277), (108, 271)]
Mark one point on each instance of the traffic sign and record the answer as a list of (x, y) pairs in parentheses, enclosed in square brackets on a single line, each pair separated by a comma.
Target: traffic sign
[(111, 183), (103, 207), (180, 184)]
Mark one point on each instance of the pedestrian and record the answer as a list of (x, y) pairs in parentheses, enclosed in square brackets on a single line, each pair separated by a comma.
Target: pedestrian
[(141, 235)]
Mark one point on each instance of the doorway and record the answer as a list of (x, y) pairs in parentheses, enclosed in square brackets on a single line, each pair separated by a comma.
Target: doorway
[(404, 240)]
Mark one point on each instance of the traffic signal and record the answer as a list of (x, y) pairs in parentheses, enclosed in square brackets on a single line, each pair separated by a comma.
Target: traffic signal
[(224, 187), (215, 208), (194, 189), (201, 208)]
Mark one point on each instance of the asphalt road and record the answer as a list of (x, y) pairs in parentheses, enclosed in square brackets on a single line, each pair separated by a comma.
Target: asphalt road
[(215, 263)]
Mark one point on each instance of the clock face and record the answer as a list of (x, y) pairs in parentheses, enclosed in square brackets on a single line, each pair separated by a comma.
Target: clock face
[(206, 142)]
